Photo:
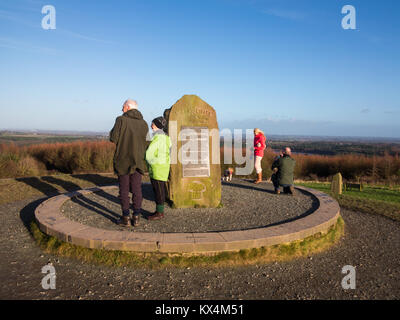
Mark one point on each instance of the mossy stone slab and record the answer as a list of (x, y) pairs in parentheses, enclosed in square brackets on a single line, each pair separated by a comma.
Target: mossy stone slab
[(194, 185)]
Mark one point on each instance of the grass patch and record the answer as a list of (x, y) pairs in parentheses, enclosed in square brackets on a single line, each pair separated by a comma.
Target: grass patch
[(296, 249), (373, 199), (387, 209)]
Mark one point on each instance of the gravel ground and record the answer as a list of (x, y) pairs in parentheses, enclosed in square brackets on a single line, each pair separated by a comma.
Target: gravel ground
[(263, 208), (371, 244)]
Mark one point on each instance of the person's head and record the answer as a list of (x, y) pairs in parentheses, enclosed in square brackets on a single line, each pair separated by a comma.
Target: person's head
[(287, 151), (257, 131), (158, 123), (129, 105)]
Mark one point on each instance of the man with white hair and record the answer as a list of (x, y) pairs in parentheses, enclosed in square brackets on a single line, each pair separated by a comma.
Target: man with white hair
[(285, 170), (129, 135)]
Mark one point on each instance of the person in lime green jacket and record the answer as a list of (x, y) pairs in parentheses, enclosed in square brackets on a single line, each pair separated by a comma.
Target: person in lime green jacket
[(158, 161)]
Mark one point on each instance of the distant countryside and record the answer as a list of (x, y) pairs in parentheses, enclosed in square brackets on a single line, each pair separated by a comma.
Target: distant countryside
[(27, 138), (24, 154)]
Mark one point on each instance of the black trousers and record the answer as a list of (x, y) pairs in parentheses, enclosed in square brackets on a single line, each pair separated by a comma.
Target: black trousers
[(275, 181), (159, 189)]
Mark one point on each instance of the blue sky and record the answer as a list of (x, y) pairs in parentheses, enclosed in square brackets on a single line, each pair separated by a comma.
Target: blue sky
[(285, 66)]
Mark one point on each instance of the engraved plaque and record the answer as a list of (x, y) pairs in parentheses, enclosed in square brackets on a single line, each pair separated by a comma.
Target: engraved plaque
[(195, 152)]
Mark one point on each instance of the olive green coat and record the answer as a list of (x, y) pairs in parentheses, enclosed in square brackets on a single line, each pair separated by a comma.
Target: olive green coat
[(129, 135), (285, 165)]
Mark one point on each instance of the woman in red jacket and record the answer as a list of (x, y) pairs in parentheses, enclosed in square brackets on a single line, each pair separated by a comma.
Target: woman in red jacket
[(259, 147)]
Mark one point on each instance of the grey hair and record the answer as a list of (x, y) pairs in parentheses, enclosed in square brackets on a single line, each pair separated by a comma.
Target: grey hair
[(132, 104)]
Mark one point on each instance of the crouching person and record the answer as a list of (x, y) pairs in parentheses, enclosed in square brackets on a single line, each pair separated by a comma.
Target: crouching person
[(158, 161), (274, 176), (285, 171)]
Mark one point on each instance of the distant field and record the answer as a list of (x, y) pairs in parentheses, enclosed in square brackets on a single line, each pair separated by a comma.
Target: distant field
[(299, 146), (34, 154), (337, 147), (330, 148), (28, 139)]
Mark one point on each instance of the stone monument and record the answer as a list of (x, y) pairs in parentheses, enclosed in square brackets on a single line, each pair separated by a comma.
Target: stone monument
[(195, 175), (337, 184)]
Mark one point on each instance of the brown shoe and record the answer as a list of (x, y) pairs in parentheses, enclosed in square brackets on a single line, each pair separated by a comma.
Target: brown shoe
[(291, 191), (135, 221), (156, 216), (277, 191), (124, 221), (259, 178)]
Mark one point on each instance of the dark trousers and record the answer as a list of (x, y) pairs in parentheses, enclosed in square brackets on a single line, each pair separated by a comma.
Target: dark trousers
[(275, 181), (286, 188), (159, 190), (130, 183)]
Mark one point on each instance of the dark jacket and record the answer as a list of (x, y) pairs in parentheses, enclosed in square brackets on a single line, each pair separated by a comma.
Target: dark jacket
[(285, 167), (129, 135)]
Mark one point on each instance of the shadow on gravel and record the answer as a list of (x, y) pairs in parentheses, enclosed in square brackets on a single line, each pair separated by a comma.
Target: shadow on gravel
[(242, 186), (106, 181), (106, 212), (84, 201), (27, 214), (99, 180), (259, 188), (96, 179), (38, 184), (97, 208), (67, 185)]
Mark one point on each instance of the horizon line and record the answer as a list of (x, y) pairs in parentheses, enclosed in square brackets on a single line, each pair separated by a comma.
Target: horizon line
[(272, 134)]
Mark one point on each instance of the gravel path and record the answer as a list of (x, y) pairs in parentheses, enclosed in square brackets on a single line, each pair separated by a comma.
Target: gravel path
[(102, 209), (371, 244)]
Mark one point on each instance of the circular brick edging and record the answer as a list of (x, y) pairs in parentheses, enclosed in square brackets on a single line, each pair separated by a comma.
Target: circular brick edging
[(51, 222)]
